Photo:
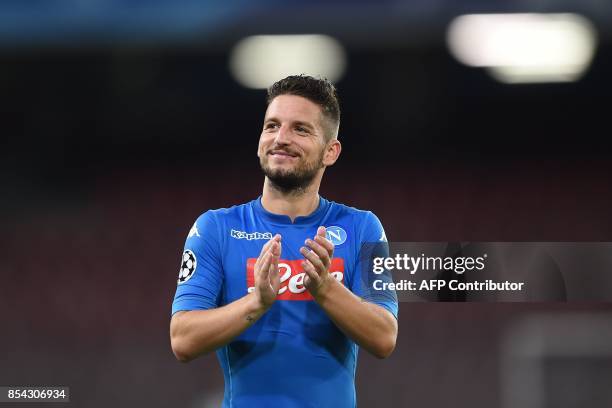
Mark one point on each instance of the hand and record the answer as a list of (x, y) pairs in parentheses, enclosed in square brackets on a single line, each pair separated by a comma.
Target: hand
[(267, 277), (317, 263)]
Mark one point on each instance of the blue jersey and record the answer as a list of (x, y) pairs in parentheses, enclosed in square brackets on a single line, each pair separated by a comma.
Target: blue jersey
[(294, 355)]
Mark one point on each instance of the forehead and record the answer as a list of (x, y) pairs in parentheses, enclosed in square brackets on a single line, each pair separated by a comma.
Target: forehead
[(293, 107)]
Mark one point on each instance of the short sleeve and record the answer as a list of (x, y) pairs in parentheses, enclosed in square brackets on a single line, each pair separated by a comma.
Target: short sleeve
[(200, 276), (373, 243)]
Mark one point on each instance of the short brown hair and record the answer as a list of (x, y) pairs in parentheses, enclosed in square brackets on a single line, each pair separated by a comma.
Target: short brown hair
[(319, 91)]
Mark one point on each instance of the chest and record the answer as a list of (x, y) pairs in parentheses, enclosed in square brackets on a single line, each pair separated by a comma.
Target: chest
[(241, 254)]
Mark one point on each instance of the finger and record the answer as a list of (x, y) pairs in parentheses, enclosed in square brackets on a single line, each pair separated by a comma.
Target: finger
[(310, 271), (321, 231), (266, 248), (313, 258), (267, 245), (273, 274), (264, 267), (275, 249), (320, 251), (325, 243), (274, 253), (274, 256)]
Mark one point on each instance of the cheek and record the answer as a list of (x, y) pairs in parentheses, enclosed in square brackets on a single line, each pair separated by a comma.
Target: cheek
[(261, 145), (316, 151), (266, 140)]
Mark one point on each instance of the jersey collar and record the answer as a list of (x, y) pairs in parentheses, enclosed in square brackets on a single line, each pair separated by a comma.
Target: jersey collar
[(312, 218)]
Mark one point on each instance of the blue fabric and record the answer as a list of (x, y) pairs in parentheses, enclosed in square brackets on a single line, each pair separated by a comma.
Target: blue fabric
[(294, 356)]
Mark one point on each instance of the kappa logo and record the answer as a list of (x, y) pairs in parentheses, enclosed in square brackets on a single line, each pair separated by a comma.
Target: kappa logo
[(250, 236), (193, 231), (336, 235)]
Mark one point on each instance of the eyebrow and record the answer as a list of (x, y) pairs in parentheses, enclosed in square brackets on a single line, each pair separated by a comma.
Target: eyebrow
[(296, 122)]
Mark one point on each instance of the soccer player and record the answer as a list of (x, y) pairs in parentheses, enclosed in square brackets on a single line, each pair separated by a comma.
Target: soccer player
[(274, 285)]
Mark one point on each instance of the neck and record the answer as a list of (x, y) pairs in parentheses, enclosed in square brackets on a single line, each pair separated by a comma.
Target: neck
[(294, 204)]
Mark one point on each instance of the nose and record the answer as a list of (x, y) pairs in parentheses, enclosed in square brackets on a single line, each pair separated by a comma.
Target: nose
[(283, 136)]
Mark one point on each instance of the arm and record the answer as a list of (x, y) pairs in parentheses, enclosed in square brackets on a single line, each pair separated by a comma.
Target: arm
[(197, 332), (369, 325)]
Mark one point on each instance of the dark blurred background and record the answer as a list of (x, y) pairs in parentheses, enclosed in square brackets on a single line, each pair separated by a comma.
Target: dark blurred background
[(122, 122)]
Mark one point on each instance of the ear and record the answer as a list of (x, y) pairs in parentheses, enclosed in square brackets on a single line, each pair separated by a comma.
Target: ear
[(332, 152)]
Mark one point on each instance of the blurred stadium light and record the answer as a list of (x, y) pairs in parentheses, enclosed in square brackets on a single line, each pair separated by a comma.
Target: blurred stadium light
[(258, 61), (211, 22), (519, 48)]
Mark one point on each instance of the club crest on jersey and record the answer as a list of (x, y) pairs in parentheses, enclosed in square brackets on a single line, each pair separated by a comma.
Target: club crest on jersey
[(188, 266), (337, 235), (250, 236)]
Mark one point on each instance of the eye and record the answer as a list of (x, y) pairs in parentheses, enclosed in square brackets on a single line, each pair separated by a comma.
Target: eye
[(270, 126), (301, 129)]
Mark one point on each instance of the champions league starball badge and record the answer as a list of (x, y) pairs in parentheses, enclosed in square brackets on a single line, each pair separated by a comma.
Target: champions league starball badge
[(188, 266)]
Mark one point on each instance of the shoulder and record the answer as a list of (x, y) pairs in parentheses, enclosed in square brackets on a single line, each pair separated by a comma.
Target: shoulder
[(366, 224), (219, 214), (214, 221), (343, 210)]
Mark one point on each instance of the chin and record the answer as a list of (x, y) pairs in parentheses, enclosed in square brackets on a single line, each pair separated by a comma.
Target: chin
[(281, 173), (281, 167)]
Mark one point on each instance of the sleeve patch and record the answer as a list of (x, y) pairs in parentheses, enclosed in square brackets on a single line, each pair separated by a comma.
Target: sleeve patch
[(188, 266)]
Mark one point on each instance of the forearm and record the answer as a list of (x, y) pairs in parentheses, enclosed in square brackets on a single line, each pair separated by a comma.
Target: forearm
[(369, 325), (197, 332)]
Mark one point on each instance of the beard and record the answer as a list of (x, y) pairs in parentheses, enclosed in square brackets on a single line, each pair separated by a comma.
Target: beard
[(292, 181)]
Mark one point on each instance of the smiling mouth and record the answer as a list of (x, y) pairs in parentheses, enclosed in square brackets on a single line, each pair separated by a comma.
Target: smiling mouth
[(279, 153)]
